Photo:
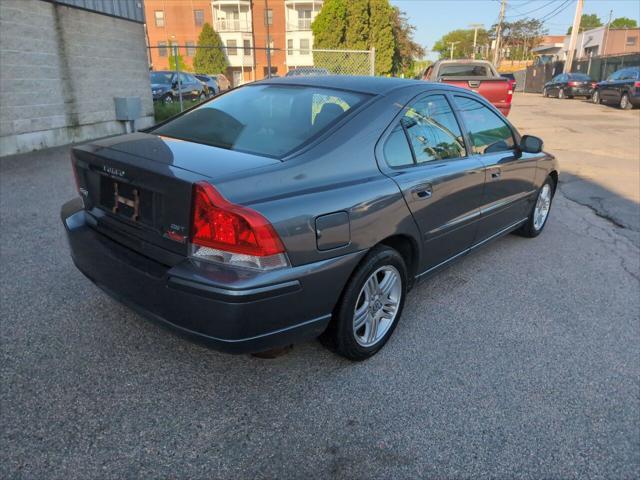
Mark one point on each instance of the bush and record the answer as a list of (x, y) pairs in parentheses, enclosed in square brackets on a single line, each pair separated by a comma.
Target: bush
[(162, 111)]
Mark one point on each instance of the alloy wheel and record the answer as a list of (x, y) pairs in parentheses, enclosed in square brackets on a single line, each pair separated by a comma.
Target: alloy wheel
[(595, 98), (377, 305), (543, 205), (624, 102)]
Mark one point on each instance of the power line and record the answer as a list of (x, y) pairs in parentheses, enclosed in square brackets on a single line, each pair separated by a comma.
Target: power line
[(521, 14), (557, 11)]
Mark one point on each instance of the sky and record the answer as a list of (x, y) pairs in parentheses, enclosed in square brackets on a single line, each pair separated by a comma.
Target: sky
[(434, 18)]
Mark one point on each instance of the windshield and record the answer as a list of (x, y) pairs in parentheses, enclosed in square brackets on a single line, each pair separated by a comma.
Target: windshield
[(269, 120), (161, 77), (465, 70)]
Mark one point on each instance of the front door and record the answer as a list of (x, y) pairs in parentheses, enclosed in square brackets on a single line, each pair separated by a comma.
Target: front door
[(426, 155), (509, 173)]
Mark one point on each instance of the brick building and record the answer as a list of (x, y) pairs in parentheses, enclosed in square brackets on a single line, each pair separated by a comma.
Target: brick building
[(246, 28)]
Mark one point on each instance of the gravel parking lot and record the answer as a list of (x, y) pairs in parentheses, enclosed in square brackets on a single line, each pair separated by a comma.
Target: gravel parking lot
[(522, 361)]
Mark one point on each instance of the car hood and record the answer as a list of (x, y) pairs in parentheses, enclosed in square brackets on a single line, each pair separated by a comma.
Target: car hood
[(205, 160)]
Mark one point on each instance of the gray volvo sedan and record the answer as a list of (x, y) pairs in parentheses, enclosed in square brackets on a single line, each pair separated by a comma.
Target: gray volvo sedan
[(292, 208)]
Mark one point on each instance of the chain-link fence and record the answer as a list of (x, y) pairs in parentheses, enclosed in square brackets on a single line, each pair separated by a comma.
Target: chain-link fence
[(177, 83)]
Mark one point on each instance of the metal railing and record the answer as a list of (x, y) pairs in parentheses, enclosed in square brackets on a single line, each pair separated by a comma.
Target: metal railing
[(300, 24), (232, 25)]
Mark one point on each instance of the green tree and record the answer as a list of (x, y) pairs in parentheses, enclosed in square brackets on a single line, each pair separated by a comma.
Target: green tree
[(358, 25), (464, 46), (520, 36), (408, 53), (175, 60), (587, 22), (330, 25), (623, 22), (209, 60), (381, 35)]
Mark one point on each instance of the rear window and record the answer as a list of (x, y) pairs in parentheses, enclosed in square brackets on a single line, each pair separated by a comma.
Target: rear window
[(579, 76), (269, 120), (465, 70)]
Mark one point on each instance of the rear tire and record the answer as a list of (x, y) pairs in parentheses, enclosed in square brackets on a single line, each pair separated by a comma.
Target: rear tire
[(595, 97), (625, 103), (561, 94), (545, 93), (370, 306), (539, 211)]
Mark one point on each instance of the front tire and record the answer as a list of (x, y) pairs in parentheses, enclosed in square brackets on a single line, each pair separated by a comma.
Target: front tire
[(540, 211), (595, 97), (371, 305), (625, 103), (167, 99)]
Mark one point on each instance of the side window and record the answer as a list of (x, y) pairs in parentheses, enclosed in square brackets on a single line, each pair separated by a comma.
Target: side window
[(432, 130), (184, 79), (396, 149), (488, 132)]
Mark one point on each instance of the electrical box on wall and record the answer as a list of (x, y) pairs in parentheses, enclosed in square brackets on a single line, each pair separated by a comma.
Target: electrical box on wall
[(128, 108)]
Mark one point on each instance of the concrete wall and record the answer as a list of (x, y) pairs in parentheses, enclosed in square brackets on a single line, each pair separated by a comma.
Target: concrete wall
[(60, 68)]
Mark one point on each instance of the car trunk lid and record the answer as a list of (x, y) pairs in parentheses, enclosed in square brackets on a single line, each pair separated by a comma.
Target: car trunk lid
[(138, 188)]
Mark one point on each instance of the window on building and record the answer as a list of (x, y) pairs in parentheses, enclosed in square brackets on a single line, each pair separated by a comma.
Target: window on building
[(268, 17), (162, 49), (232, 47), (191, 48), (270, 41), (290, 46), (304, 19), (159, 15), (488, 132), (198, 16), (304, 46), (632, 41), (247, 47)]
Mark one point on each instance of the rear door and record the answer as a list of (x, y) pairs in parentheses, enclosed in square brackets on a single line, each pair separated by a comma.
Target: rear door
[(509, 173), (425, 153), (608, 88)]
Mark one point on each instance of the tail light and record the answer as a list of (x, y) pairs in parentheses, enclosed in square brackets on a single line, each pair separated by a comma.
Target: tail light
[(232, 234), (574, 84), (636, 84)]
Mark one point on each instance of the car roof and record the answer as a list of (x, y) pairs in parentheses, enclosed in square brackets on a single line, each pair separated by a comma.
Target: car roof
[(373, 85)]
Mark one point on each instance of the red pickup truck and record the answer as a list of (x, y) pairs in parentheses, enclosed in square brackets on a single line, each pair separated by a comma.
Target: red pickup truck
[(477, 75)]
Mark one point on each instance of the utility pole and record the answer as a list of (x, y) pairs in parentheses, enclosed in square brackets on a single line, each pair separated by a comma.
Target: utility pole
[(574, 36), (475, 27), (496, 52), (604, 50), (266, 20), (453, 44)]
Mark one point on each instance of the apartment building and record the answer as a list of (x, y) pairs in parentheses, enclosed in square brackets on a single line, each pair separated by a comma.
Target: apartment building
[(246, 27), (174, 22)]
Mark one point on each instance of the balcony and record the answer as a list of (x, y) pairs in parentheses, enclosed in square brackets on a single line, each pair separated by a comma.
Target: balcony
[(232, 25), (301, 24), (231, 2)]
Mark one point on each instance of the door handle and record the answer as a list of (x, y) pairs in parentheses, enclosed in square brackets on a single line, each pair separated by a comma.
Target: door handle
[(495, 173), (422, 192)]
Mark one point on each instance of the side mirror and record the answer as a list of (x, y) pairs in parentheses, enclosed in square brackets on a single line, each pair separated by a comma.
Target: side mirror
[(531, 144)]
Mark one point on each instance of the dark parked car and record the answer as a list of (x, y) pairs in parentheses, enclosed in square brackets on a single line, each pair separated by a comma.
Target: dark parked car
[(307, 72), (210, 83), (569, 85), (166, 85), (622, 88), (288, 208)]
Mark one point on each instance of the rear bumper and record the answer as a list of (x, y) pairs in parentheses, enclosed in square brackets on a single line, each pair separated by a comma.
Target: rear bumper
[(579, 92), (504, 109), (235, 311)]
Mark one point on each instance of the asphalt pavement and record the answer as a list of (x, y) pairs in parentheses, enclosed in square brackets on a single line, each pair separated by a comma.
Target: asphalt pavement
[(521, 361)]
